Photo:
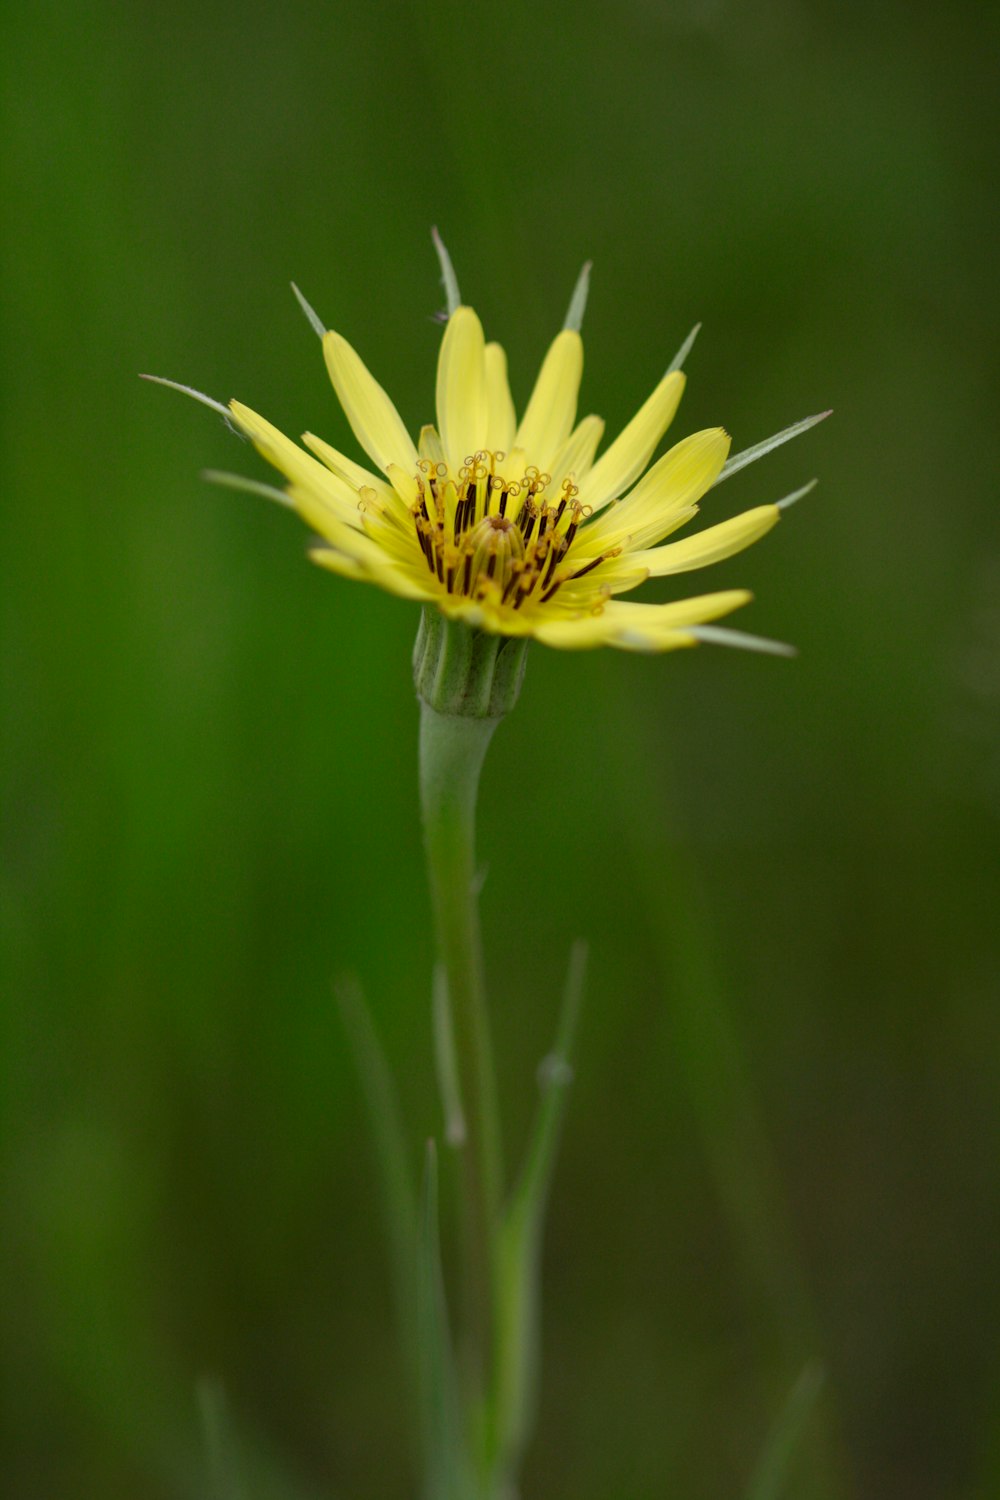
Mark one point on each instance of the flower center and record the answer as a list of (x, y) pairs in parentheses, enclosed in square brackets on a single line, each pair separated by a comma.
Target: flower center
[(485, 535)]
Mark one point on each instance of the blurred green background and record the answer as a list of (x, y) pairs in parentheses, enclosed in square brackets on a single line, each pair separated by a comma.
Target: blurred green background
[(782, 1143)]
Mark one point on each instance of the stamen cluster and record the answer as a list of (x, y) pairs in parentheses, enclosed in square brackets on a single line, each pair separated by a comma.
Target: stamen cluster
[(483, 534)]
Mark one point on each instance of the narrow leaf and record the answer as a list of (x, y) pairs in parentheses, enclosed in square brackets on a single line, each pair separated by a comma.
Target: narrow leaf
[(239, 1465), (224, 1480), (771, 1475), (443, 1461), (578, 301), (677, 363), (750, 455), (521, 1236), (316, 322), (448, 278)]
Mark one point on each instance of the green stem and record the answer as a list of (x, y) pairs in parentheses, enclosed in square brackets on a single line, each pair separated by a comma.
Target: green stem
[(452, 750)]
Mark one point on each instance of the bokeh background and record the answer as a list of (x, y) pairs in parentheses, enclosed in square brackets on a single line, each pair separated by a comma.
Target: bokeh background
[(782, 1146)]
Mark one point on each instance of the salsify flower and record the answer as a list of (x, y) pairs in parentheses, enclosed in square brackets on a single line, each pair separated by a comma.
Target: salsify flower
[(517, 527)]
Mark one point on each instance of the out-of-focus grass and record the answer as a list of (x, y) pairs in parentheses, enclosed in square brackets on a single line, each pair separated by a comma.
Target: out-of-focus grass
[(782, 1138)]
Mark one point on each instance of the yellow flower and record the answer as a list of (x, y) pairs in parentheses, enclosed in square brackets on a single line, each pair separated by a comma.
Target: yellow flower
[(517, 527)]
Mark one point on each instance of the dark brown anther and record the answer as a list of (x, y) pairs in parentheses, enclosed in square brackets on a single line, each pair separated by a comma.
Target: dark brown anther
[(559, 547), (592, 564), (512, 583)]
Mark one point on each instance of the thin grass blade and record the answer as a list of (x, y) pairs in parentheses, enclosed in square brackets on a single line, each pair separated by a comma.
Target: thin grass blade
[(771, 1476), (224, 1478), (239, 1467), (444, 1467)]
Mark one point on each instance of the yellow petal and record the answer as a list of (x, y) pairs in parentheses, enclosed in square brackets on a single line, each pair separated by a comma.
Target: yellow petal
[(681, 612), (709, 546), (577, 453), (614, 577), (461, 388), (374, 420), (330, 491), (582, 634), (641, 627), (358, 478), (394, 498), (388, 576), (589, 632), (549, 417), (356, 475), (501, 422), (675, 483), (429, 444), (631, 451), (339, 562)]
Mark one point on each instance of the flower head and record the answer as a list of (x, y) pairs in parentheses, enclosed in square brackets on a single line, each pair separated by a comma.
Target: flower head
[(516, 526)]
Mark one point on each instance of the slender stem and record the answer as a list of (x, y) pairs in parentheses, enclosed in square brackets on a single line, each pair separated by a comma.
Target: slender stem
[(452, 750)]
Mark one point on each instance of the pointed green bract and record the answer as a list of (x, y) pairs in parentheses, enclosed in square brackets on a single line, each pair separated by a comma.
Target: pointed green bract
[(448, 278), (248, 486), (578, 301), (189, 390), (750, 455), (677, 363), (315, 321), (797, 495), (719, 635)]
